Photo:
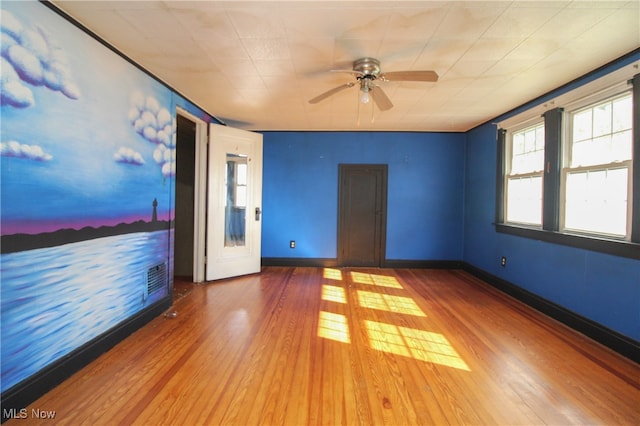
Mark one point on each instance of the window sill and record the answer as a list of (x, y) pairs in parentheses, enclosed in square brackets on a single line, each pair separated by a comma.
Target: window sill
[(614, 247)]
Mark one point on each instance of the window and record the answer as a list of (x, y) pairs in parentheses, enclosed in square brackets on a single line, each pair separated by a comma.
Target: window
[(524, 177), (235, 216), (236, 181), (597, 168), (569, 171)]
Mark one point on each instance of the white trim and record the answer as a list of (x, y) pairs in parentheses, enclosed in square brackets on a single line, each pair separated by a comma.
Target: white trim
[(610, 92), (616, 80)]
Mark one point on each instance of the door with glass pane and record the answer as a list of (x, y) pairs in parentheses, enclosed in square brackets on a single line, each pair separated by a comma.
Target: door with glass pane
[(234, 205)]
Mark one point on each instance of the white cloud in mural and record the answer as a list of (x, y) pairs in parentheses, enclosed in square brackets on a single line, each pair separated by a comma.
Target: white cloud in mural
[(30, 57), (128, 156), (12, 91), (10, 24), (155, 124), (18, 150)]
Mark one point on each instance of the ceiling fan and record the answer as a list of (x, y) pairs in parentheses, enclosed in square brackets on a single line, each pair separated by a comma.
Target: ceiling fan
[(367, 71)]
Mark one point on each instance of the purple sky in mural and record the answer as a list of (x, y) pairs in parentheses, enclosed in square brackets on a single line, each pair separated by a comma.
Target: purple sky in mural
[(78, 150)]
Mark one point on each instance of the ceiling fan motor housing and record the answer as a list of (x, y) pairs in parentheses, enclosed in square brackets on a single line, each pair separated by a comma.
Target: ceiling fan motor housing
[(368, 67)]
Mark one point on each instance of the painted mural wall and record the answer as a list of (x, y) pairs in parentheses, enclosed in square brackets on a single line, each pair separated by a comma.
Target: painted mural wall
[(424, 202), (87, 184)]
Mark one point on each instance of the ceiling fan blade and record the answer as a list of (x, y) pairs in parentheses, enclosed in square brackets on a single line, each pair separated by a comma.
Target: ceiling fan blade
[(328, 93), (380, 98), (410, 76)]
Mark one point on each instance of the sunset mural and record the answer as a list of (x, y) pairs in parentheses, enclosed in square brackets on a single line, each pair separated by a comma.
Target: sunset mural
[(87, 175)]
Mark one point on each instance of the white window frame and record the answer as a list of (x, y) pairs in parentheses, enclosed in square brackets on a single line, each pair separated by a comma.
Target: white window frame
[(571, 109), (531, 123)]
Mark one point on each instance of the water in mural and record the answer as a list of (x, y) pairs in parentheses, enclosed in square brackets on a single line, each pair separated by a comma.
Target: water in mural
[(97, 284)]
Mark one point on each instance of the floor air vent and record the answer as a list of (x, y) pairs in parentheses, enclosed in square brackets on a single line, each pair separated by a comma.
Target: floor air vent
[(156, 279)]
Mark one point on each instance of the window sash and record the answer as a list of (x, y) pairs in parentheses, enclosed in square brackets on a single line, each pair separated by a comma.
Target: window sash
[(612, 143), (525, 206), (600, 208), (599, 156)]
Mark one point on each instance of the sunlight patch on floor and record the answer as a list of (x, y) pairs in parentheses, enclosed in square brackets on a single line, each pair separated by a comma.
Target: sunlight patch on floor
[(332, 293), (332, 274), (375, 279), (418, 344), (389, 303), (334, 327)]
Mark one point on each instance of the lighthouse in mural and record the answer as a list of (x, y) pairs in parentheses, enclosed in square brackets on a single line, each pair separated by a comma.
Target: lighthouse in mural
[(154, 215)]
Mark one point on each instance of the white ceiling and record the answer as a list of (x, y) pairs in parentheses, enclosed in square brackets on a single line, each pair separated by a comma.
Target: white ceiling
[(256, 64)]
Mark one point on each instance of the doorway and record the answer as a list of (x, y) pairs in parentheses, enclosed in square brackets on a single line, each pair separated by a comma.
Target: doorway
[(185, 197), (190, 196), (362, 214), (200, 178)]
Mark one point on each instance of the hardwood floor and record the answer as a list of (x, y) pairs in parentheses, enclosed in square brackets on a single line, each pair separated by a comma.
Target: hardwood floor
[(302, 346)]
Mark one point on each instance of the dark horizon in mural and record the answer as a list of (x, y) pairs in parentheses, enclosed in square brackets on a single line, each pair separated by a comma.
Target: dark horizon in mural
[(22, 242), (31, 227)]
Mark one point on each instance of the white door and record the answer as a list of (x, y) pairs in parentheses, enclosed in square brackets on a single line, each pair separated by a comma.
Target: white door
[(234, 205)]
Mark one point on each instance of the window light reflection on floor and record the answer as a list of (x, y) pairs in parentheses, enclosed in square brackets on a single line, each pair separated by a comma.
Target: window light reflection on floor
[(418, 344), (332, 274), (389, 303), (332, 293), (375, 279), (334, 327)]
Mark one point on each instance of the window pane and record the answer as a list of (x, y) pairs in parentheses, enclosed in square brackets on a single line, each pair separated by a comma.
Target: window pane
[(622, 114), (582, 126), (621, 145), (540, 138), (527, 154), (602, 133), (580, 153), (602, 120), (236, 200), (242, 174), (241, 196), (518, 144), (524, 200), (596, 201)]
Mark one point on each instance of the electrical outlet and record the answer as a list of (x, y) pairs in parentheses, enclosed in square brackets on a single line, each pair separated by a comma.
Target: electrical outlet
[(292, 244), (503, 261)]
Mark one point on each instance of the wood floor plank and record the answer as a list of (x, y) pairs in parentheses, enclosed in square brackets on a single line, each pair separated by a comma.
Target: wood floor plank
[(297, 346)]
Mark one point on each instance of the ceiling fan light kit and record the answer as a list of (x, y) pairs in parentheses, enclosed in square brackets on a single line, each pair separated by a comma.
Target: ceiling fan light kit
[(368, 70), (364, 88)]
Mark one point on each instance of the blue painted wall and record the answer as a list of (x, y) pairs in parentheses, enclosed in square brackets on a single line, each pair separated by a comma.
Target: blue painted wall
[(600, 287), (425, 191)]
